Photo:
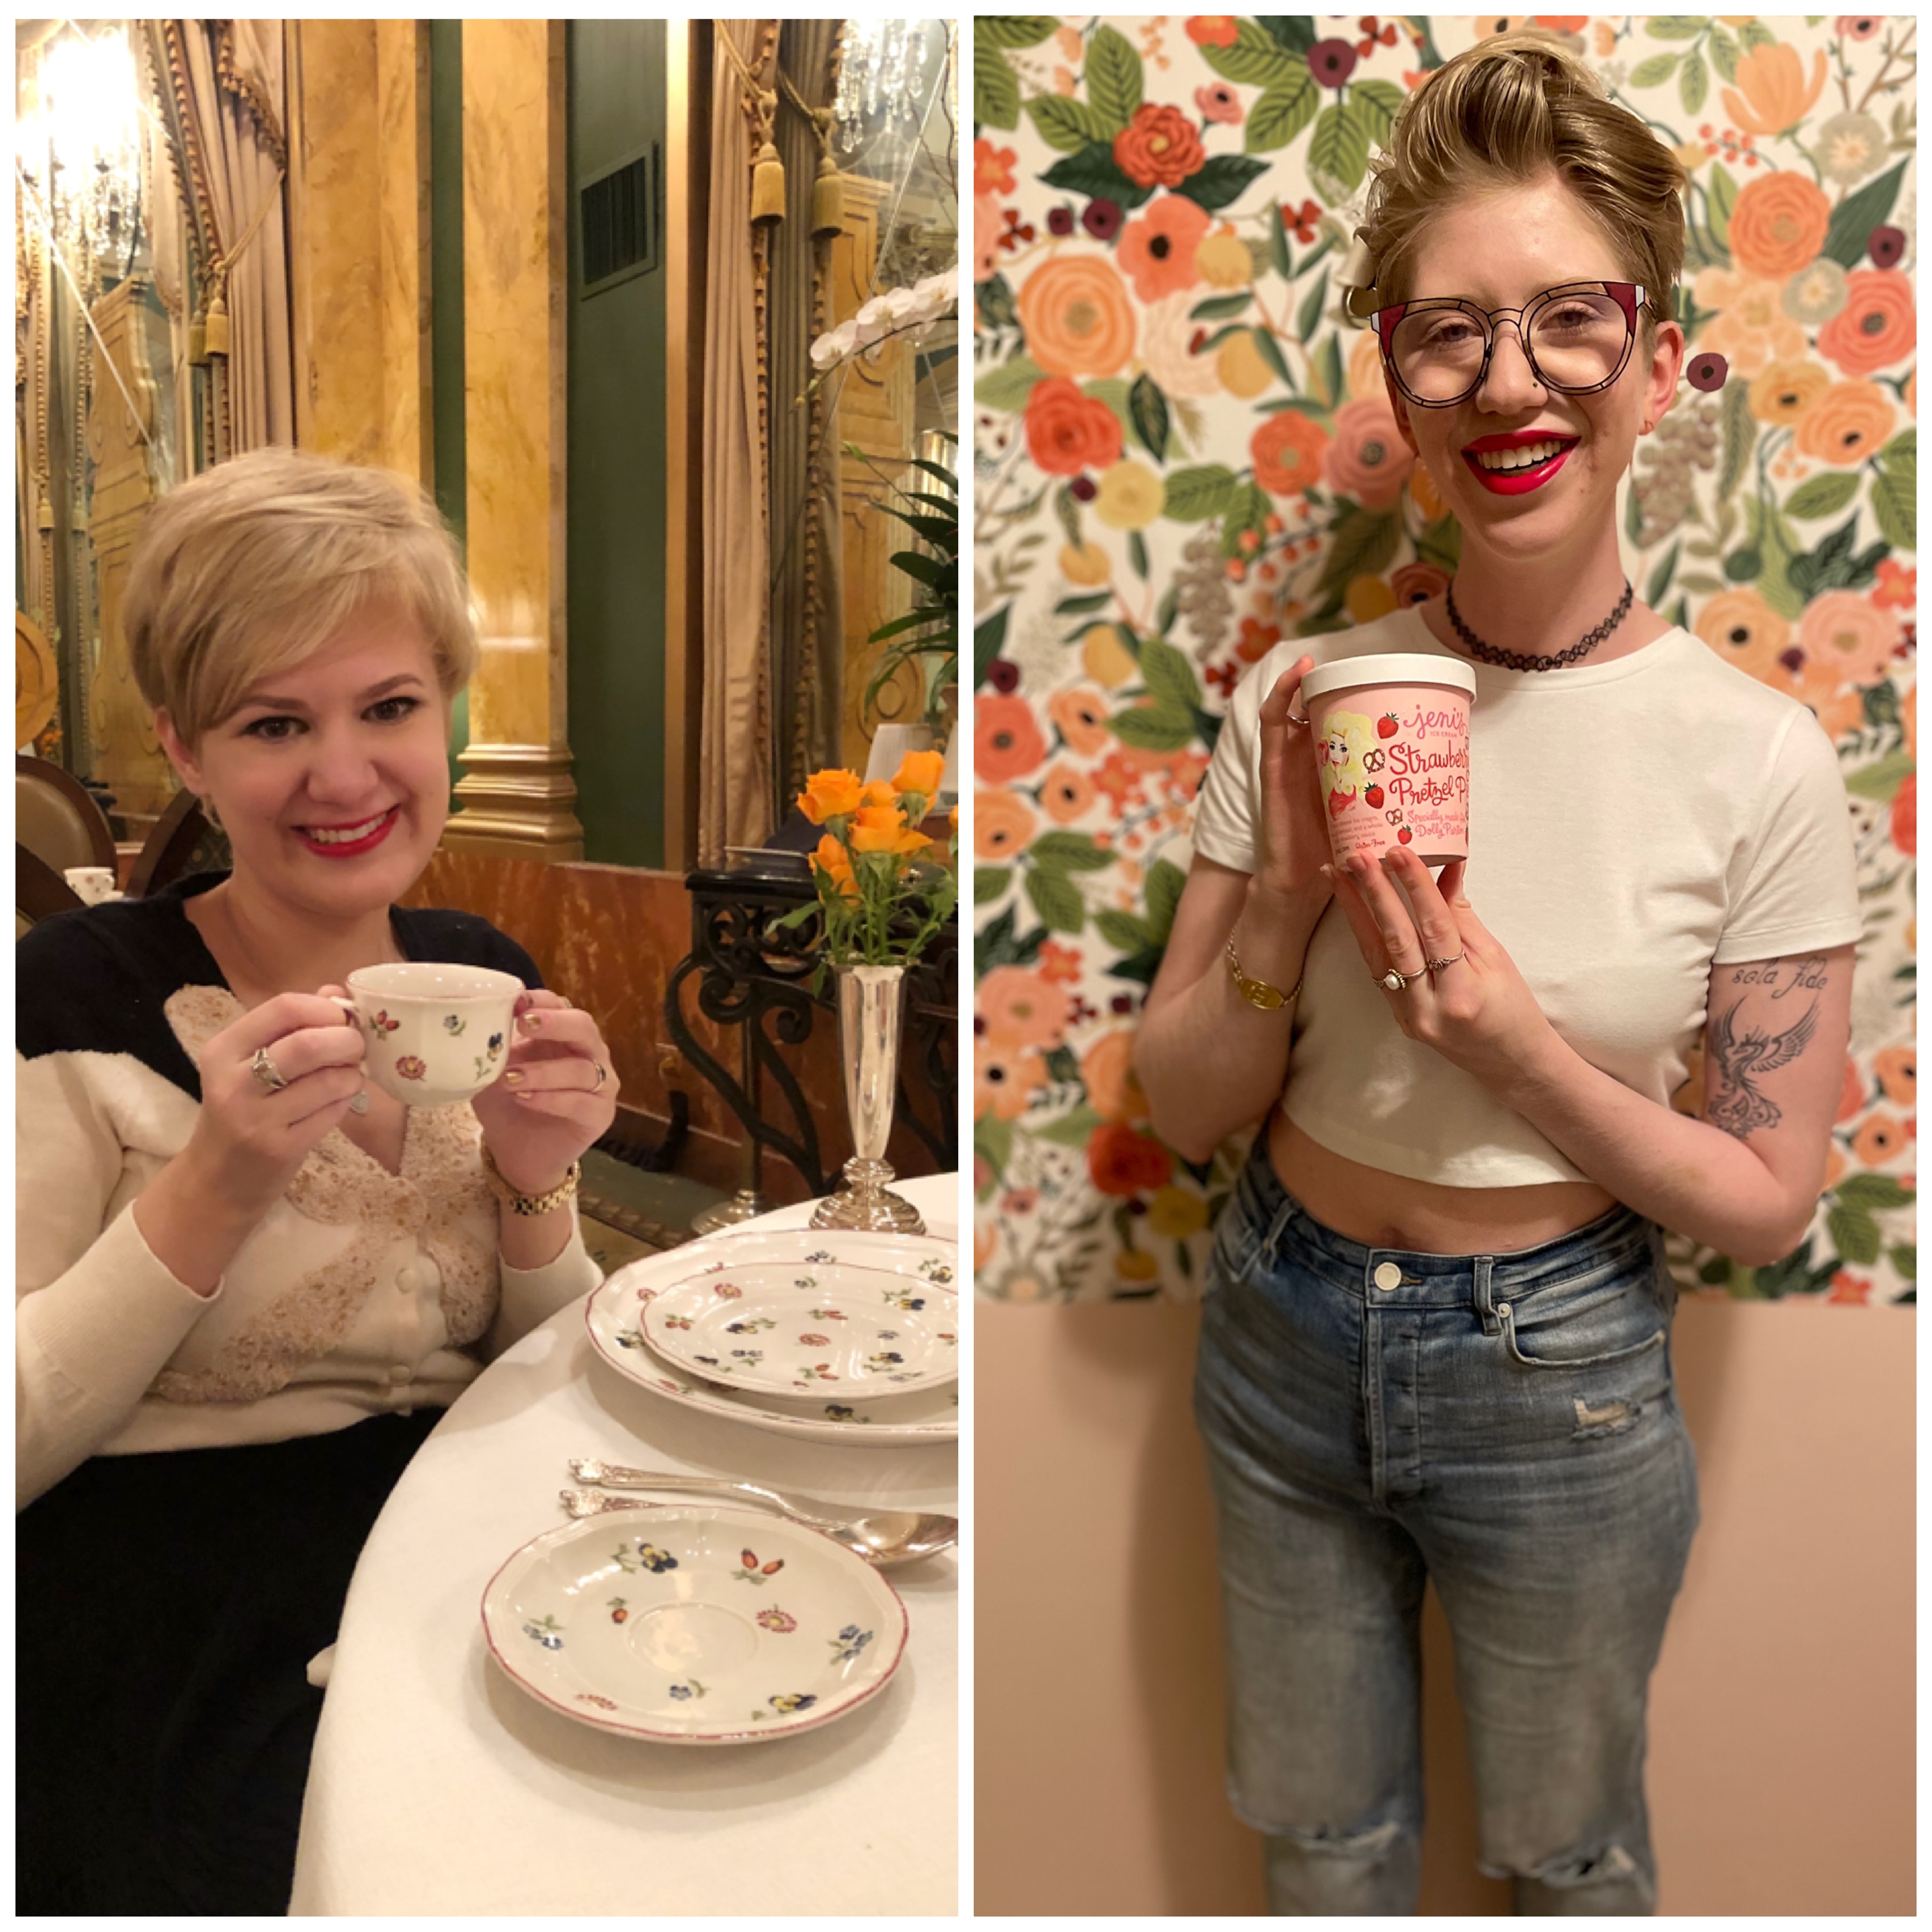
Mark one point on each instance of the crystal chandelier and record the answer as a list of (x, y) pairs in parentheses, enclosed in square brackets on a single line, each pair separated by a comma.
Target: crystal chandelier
[(878, 77)]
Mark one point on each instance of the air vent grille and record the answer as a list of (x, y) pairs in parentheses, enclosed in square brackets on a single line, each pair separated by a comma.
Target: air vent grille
[(620, 221)]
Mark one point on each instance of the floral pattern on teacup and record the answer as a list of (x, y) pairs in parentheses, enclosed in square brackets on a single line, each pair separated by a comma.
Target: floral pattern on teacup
[(822, 1256), (453, 1023), (935, 1270), (619, 1611), (677, 1320), (847, 1644), (381, 1023), (816, 1341), (409, 1067), (749, 1570), (826, 1315), (886, 1359), (592, 1697), (750, 1325), (725, 1292), (775, 1619), (904, 1297), (690, 1688), (819, 1372), (790, 1701), (549, 1633), (648, 1557)]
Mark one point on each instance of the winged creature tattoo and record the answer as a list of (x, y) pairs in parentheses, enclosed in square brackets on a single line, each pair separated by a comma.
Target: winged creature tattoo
[(1740, 1108)]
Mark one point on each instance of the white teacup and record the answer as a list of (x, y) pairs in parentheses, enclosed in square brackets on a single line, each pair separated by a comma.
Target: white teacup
[(437, 1034), (93, 885)]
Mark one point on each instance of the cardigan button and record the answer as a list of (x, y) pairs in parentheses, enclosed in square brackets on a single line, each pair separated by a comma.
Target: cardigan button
[(408, 1280)]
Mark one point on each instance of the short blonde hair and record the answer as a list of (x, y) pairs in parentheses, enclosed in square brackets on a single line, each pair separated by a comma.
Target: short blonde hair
[(253, 566), (1514, 109)]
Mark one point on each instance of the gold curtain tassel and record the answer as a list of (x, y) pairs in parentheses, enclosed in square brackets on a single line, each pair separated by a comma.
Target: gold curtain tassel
[(44, 518), (768, 186), (828, 199), (216, 333), (197, 340)]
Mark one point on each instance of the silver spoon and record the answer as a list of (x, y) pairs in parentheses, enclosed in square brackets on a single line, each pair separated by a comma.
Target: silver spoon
[(886, 1537)]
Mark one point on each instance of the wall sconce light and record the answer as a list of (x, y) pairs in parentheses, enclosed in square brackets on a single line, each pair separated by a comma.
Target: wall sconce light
[(77, 141)]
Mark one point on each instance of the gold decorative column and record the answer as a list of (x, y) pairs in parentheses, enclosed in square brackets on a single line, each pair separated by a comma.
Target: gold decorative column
[(128, 759), (517, 795)]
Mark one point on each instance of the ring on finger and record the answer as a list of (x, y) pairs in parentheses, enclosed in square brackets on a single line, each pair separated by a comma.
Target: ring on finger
[(265, 1069), (602, 1075)]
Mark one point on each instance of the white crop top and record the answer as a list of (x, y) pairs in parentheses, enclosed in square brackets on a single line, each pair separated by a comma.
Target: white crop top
[(1631, 825)]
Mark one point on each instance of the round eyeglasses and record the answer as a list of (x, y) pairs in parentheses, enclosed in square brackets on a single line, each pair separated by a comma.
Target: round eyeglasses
[(1576, 339)]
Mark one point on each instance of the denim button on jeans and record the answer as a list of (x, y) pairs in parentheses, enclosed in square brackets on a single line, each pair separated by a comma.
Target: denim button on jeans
[(1506, 1424)]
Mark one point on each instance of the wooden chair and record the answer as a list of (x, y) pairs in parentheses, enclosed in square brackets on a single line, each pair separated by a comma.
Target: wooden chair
[(55, 817), (39, 891), (184, 841)]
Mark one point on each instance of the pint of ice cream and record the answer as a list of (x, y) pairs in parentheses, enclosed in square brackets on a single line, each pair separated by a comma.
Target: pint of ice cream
[(1391, 738)]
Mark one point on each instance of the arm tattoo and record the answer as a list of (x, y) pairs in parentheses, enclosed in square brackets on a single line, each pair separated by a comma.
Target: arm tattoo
[(1739, 1108)]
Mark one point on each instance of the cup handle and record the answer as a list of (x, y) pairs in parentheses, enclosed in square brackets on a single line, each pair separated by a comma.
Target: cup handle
[(350, 1017)]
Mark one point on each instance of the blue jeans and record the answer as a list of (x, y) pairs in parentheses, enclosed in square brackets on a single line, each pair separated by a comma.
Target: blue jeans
[(1505, 1423)]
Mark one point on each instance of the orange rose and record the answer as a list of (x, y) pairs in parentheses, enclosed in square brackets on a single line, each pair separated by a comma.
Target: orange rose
[(1121, 1162), (876, 828), (1003, 824), (878, 792), (1214, 30), (1905, 816), (1156, 253), (1784, 393), (1108, 1068), (1847, 424), (1081, 715), (1005, 1079), (833, 856), (1021, 1007), (1067, 432), (830, 795), (919, 772), (1066, 794), (1898, 1070), (1880, 1140), (1778, 224), (1846, 629), (1428, 498), (1744, 630), (1159, 145), (1078, 319), (1288, 452), (1877, 326), (1007, 742), (1368, 458)]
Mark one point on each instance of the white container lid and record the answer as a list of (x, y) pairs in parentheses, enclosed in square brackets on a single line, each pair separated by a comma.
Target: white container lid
[(1388, 667)]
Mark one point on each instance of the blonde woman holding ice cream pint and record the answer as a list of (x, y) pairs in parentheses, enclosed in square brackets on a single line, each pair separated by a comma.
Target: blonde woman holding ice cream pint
[(1436, 1338), (250, 1275)]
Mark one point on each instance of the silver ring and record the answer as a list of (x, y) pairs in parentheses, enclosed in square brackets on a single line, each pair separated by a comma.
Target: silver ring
[(266, 1070), (601, 1076), (1393, 981), (1436, 965)]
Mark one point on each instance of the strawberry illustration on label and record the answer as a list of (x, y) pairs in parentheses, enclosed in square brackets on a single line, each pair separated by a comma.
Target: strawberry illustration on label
[(1372, 798), (1405, 834), (1338, 802), (1387, 725)]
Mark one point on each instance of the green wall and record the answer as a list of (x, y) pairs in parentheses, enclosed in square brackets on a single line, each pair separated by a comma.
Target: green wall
[(446, 364)]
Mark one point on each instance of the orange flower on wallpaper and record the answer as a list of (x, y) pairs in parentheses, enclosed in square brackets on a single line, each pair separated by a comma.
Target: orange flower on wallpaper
[(1750, 329), (1288, 451), (1108, 1068), (1878, 326), (1157, 252), (1850, 422), (1067, 432), (1214, 30), (1005, 1079), (1007, 739), (1077, 316), (1744, 630), (1081, 715), (1065, 793), (1881, 1139), (1905, 816), (1019, 1006), (1779, 222), (1820, 685), (1898, 1070), (1845, 629), (1784, 393), (992, 169), (1159, 147), (1772, 94), (1851, 1094), (1426, 497), (1368, 459), (1003, 823)]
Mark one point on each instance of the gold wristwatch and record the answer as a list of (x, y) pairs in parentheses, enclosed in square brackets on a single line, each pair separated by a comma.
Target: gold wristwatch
[(529, 1204), (1259, 993)]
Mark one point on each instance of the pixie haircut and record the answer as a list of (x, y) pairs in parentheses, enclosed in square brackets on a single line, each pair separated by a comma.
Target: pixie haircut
[(253, 566), (1512, 109)]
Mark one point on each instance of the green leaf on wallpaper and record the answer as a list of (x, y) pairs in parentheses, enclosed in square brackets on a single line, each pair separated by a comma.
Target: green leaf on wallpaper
[(1014, 30), (1308, 316), (1146, 409), (1068, 852), (988, 634), (1170, 605), (1823, 495), (1835, 564), (1756, 34), (1872, 1192), (1256, 59), (1361, 543), (1223, 178), (1723, 53), (1694, 84), (1057, 899), (1904, 445), (1094, 172), (1279, 258), (1894, 492), (1854, 1234), (1062, 122), (993, 1142), (1218, 308), (1858, 214), (1377, 103), (1111, 390), (995, 944), (1740, 437), (1324, 369), (1249, 508), (1194, 494), (1720, 192), (990, 882), (1269, 352), (1169, 674), (1441, 544), (1153, 728), (1137, 554), (1675, 26), (1905, 1258), (1880, 782), (1338, 152), (996, 89), (1113, 76), (1165, 882), (1079, 606), (1654, 72), (1295, 31), (1071, 1130), (1660, 578), (1007, 388), (1125, 931), (1284, 109)]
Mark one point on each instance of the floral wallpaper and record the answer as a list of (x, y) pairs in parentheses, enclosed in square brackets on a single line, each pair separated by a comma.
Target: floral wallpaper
[(1184, 455)]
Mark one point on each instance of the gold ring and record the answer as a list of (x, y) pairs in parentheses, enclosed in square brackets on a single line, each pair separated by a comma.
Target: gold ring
[(266, 1070)]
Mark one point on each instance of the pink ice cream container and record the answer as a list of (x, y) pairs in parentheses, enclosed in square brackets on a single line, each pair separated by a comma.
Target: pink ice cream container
[(1391, 739)]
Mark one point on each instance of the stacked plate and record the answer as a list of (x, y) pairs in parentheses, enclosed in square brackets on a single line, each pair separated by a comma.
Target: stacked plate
[(834, 1336)]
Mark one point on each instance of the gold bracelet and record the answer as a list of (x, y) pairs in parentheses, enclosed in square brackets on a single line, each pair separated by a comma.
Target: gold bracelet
[(1259, 993), (529, 1204)]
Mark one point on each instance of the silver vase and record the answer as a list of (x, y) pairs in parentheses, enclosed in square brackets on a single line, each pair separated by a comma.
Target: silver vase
[(870, 998)]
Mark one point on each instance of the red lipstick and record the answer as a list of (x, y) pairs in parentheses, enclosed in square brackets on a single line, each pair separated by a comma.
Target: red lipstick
[(349, 848)]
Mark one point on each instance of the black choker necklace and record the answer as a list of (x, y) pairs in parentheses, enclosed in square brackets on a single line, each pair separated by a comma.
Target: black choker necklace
[(1516, 660)]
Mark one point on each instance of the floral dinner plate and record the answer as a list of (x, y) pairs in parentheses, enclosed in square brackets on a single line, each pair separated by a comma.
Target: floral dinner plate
[(694, 1625)]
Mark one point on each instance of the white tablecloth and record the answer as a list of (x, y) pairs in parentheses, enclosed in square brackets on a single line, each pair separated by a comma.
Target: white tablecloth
[(438, 1788)]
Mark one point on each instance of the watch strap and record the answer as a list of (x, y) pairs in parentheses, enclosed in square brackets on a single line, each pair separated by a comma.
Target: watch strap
[(529, 1204)]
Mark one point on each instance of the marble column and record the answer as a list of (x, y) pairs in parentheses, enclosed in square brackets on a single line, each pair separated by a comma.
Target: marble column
[(518, 796)]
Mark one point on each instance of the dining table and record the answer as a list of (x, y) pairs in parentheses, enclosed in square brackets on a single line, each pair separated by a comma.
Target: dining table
[(438, 1786)]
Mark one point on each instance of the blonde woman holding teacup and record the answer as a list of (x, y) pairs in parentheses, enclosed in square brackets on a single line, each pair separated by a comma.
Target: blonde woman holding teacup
[(250, 1278), (1436, 1337)]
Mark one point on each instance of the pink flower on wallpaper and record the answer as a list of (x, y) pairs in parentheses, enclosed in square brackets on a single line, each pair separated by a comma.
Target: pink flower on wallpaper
[(1020, 1006), (988, 226), (1219, 103), (1168, 335), (1845, 629), (992, 169), (1156, 252), (1368, 459)]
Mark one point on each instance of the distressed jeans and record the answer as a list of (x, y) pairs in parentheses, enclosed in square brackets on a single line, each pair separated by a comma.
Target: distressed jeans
[(1504, 1424)]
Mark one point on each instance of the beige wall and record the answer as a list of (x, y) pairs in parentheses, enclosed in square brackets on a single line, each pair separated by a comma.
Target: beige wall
[(1782, 1758)]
